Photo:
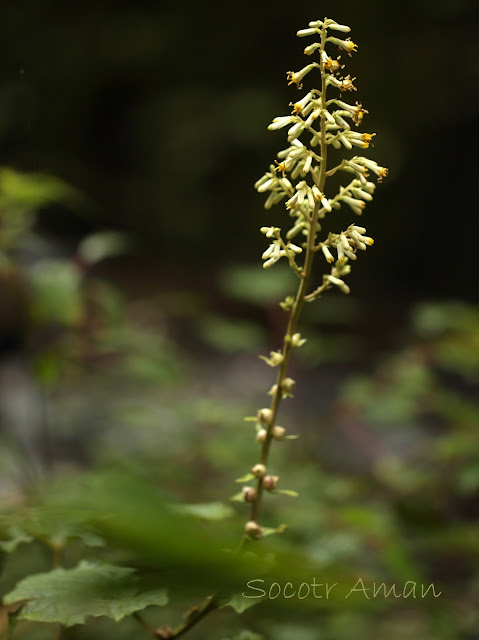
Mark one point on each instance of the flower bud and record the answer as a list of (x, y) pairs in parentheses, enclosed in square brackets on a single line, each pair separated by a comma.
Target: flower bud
[(356, 205), (265, 186), (296, 340), (253, 530), (306, 32), (280, 122), (259, 470), (275, 357), (358, 229), (265, 416), (270, 482), (338, 27), (338, 282), (261, 436), (287, 304), (278, 432), (295, 131), (288, 385), (249, 494), (327, 253), (312, 48)]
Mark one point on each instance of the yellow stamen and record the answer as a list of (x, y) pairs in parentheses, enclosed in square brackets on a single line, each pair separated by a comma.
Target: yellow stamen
[(332, 65), (358, 116), (296, 109), (347, 84), (293, 79), (281, 166), (383, 172), (351, 46)]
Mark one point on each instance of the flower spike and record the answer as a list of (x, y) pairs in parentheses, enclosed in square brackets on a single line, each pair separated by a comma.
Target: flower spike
[(298, 178)]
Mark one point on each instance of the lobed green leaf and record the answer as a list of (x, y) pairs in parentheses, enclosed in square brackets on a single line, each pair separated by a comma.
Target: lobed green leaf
[(70, 596)]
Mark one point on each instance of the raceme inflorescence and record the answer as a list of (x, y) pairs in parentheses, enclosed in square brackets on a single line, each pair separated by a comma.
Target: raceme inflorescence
[(298, 177)]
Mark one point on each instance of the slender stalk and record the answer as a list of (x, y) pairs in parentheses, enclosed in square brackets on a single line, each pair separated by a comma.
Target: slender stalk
[(191, 620), (299, 300), (151, 630), (210, 604)]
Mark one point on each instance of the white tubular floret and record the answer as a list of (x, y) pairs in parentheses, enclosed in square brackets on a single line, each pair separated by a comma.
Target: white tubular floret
[(312, 48), (356, 205), (361, 193), (348, 45), (273, 198), (265, 186), (295, 131), (331, 24), (262, 180), (355, 227), (327, 253), (314, 116), (307, 164), (294, 248), (369, 187), (295, 77), (301, 104), (339, 283), (325, 204), (273, 251), (345, 141), (282, 121), (329, 117), (372, 165), (306, 32)]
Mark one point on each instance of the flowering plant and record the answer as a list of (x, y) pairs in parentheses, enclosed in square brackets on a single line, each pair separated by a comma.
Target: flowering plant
[(299, 178)]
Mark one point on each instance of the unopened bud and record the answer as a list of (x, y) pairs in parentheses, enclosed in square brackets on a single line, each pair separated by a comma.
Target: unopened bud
[(270, 482), (265, 416), (249, 494), (253, 530), (288, 385), (261, 436), (296, 340), (259, 470), (278, 432)]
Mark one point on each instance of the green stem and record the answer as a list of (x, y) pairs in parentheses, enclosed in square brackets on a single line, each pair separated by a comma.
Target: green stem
[(192, 619), (299, 300), (210, 604), (151, 630)]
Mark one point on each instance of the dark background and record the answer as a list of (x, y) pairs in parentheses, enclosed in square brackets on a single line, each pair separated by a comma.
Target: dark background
[(157, 112)]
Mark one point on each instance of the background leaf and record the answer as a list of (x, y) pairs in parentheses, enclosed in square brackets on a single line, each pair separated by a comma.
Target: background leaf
[(207, 511), (239, 603), (70, 596)]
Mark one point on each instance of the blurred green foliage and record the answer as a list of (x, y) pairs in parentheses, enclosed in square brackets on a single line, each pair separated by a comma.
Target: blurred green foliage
[(409, 517), (125, 395)]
